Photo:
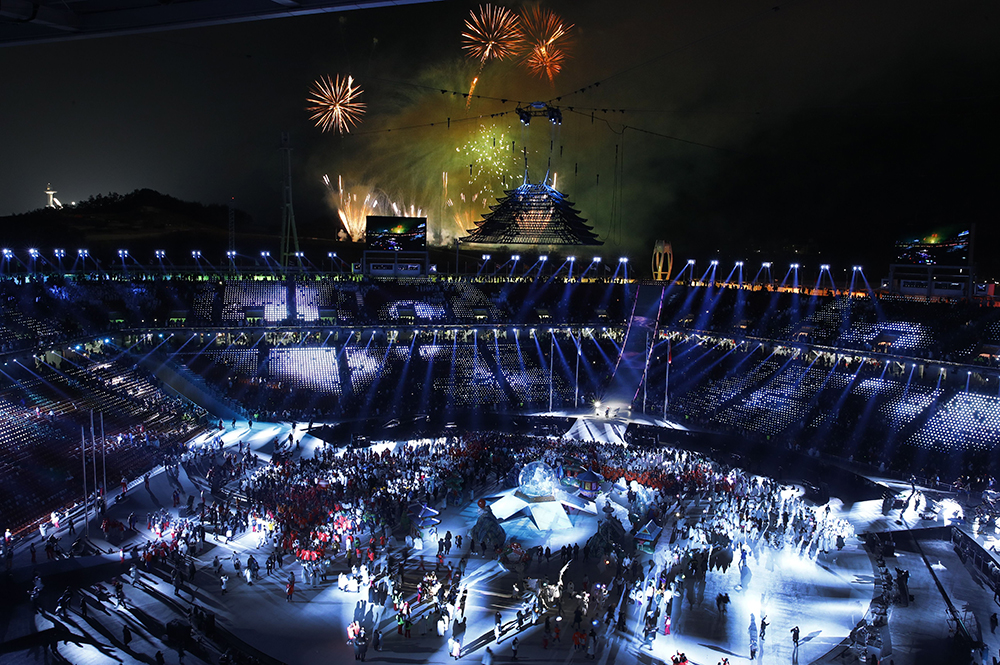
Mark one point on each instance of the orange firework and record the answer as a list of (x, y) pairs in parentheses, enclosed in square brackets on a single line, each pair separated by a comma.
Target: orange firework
[(335, 104), (492, 34), (547, 37)]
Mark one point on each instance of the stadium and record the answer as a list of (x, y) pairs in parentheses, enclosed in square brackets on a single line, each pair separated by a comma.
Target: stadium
[(877, 412)]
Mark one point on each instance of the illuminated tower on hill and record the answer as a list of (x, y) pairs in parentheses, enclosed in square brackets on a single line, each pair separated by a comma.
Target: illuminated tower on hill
[(53, 202)]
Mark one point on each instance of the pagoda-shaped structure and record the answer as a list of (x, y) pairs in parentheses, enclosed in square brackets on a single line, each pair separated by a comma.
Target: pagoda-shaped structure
[(533, 214)]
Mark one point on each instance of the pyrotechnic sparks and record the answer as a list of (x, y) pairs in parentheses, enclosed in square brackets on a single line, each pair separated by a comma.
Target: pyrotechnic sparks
[(490, 157), (354, 206), (335, 104), (404, 211), (465, 213), (547, 37), (492, 34), (460, 216), (357, 202)]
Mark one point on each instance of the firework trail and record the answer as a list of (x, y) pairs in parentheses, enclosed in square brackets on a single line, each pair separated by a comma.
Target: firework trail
[(359, 201), (404, 211), (335, 106), (465, 213), (460, 216), (354, 206), (492, 34), (547, 39)]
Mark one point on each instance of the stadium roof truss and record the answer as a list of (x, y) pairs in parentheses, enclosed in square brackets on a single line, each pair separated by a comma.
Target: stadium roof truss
[(35, 21)]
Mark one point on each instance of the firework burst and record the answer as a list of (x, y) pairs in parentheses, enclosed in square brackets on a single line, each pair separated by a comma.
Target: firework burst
[(488, 166), (547, 39), (492, 34), (491, 162), (335, 104)]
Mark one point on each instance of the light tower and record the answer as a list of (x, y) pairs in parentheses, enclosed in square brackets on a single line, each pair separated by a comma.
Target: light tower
[(289, 236)]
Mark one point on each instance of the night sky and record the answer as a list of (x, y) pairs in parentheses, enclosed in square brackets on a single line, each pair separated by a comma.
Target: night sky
[(825, 127)]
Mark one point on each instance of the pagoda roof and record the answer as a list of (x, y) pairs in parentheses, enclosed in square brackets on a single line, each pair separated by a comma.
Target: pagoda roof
[(649, 532), (533, 214)]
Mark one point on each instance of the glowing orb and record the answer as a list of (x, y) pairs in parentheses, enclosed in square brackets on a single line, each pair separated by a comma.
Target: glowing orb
[(538, 479)]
